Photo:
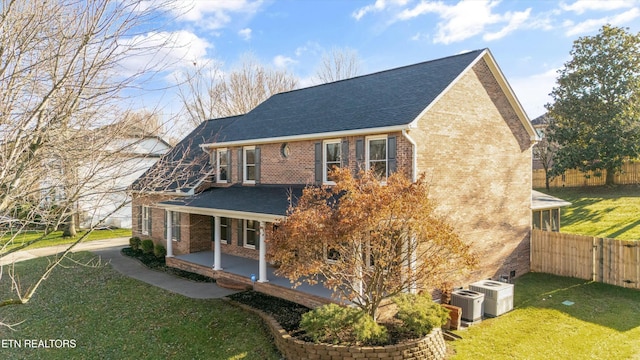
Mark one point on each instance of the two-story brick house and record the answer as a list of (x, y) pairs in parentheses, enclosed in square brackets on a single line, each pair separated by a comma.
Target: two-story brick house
[(455, 119)]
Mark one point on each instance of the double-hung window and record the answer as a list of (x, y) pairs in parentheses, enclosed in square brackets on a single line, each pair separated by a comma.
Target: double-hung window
[(146, 220), (376, 154), (222, 171), (251, 233), (224, 230), (332, 157), (249, 160), (175, 226)]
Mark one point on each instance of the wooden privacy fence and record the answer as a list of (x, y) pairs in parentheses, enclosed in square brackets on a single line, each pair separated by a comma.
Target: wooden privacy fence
[(629, 175), (611, 261)]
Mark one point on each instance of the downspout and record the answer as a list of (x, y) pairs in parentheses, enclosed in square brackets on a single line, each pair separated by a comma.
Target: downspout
[(414, 162)]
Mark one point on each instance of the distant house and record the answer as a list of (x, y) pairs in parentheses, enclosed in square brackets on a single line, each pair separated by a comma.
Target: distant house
[(103, 200), (540, 124), (455, 119)]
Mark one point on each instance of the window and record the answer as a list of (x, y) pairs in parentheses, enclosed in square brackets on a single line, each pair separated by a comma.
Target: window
[(332, 157), (547, 220), (223, 166), (377, 156), (175, 225), (146, 220), (224, 230), (251, 233), (249, 173)]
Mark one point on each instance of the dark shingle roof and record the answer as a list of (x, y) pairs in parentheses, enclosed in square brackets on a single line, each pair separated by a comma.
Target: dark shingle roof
[(387, 98), (185, 165), (271, 200)]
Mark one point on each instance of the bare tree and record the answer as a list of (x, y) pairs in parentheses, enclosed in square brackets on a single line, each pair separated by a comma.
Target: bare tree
[(207, 92), (62, 77), (338, 64)]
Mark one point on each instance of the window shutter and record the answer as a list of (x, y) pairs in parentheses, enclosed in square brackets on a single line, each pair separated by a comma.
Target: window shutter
[(229, 166), (150, 221), (240, 164), (391, 154), (360, 155), (240, 232), (318, 162), (257, 167), (344, 154), (213, 228), (257, 232), (139, 217), (166, 217)]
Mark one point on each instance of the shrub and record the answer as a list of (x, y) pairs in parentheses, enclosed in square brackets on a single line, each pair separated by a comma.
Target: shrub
[(420, 314), (134, 243), (159, 251), (335, 324), (147, 246)]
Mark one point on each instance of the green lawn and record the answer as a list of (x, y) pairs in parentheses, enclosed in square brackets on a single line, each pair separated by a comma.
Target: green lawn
[(603, 323), (110, 316), (612, 212), (55, 238)]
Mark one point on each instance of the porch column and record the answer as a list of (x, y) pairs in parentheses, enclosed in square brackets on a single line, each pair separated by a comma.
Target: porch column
[(217, 265), (263, 255), (169, 220)]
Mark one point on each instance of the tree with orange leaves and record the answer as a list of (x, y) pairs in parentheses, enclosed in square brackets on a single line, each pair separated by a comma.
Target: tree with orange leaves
[(368, 241)]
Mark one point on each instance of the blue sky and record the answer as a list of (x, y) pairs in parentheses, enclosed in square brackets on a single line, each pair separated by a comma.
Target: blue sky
[(530, 40)]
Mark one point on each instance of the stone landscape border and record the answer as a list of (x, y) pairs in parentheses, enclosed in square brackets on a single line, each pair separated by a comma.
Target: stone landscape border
[(430, 347)]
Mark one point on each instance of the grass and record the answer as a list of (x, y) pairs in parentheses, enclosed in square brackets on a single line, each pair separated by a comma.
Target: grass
[(602, 324), (110, 316), (55, 238), (601, 211)]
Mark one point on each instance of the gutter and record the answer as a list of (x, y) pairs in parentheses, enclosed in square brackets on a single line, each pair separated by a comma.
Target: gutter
[(326, 135)]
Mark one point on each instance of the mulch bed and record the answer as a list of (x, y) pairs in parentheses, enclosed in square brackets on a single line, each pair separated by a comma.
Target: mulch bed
[(158, 264)]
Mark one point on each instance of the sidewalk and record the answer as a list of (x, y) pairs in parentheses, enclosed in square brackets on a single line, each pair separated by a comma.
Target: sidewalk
[(109, 252)]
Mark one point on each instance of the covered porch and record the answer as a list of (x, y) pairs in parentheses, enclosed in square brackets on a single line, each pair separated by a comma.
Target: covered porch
[(243, 270)]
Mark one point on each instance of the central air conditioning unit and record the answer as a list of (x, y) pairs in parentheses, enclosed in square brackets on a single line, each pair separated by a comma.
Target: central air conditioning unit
[(471, 302), (498, 296)]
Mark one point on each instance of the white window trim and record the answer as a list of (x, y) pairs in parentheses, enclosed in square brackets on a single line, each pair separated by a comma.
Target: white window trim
[(244, 164), (324, 159), (146, 213), (218, 151), (244, 235), (366, 154)]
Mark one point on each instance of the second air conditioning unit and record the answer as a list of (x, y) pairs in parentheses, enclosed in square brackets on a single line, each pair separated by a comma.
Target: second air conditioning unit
[(498, 296)]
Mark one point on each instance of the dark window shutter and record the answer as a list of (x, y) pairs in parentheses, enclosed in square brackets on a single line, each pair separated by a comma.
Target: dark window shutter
[(178, 221), (344, 154), (360, 155), (240, 232), (257, 157), (240, 164), (229, 167), (150, 221), (166, 217), (391, 154), (213, 228), (139, 225), (318, 162), (257, 232)]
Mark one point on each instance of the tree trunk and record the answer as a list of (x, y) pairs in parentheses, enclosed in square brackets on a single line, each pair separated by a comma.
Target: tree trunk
[(70, 227), (610, 177)]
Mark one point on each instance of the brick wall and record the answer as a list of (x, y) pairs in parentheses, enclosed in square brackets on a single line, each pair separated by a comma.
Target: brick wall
[(477, 157)]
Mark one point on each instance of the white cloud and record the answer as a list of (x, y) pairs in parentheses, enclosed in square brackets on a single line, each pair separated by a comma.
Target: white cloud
[(173, 49), (379, 5), (516, 21), (282, 61), (466, 19), (245, 34), (208, 14), (582, 6), (594, 24)]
